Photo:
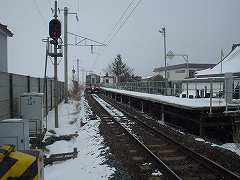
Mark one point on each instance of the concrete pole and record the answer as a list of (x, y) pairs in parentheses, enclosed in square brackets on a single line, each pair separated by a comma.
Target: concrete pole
[(142, 107), (55, 76), (228, 87), (65, 54), (187, 74), (162, 113), (82, 77), (78, 70), (211, 96), (165, 59)]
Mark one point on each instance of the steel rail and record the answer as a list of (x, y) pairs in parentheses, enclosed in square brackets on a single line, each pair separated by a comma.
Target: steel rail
[(168, 172), (225, 173)]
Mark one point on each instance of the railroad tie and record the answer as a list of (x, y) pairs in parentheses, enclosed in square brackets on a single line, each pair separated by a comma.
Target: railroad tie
[(166, 151), (174, 158)]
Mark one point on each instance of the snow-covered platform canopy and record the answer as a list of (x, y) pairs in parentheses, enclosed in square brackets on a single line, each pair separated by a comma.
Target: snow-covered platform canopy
[(185, 103), (230, 64)]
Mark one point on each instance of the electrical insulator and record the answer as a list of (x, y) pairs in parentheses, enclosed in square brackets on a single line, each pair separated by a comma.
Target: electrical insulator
[(55, 29), (92, 49)]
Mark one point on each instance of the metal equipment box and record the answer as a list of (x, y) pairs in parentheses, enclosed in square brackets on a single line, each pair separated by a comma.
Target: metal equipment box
[(15, 132), (31, 108)]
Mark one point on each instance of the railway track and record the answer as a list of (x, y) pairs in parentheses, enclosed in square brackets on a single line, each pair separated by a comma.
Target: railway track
[(150, 146)]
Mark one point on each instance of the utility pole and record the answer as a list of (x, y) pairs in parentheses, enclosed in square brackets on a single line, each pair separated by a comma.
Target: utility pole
[(78, 71), (163, 31), (55, 74), (66, 13), (83, 77), (65, 54)]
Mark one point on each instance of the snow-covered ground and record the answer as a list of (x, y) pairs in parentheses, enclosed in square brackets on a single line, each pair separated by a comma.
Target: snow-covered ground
[(90, 163), (234, 147)]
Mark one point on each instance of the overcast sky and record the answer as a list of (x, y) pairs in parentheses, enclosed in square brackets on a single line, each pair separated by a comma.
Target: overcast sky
[(199, 28)]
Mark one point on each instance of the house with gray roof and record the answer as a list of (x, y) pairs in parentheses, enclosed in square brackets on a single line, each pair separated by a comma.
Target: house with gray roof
[(180, 72)]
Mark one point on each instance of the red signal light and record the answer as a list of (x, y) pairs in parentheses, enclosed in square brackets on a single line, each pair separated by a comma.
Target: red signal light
[(55, 29)]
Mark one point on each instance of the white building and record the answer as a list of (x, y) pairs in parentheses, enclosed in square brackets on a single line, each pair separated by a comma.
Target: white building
[(4, 34), (180, 71), (230, 64), (108, 80), (200, 86)]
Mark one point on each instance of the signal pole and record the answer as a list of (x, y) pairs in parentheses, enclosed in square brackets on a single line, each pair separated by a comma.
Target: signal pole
[(55, 34), (55, 74)]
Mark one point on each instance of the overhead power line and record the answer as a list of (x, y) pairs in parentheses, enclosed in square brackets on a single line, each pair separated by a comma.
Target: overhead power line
[(119, 26), (120, 19), (84, 41), (124, 21), (40, 13)]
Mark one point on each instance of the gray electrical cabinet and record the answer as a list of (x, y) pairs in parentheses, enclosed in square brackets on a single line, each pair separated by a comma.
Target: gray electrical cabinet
[(31, 108), (15, 132)]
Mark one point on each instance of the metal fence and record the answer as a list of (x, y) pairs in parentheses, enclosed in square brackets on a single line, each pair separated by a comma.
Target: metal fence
[(213, 89), (13, 85)]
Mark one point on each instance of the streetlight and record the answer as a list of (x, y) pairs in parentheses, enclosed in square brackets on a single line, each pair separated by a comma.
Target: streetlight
[(171, 55), (163, 32)]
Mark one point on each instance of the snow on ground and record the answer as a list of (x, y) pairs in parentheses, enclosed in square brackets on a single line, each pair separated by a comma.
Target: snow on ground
[(234, 147), (184, 102), (200, 139), (117, 115), (113, 111), (90, 162)]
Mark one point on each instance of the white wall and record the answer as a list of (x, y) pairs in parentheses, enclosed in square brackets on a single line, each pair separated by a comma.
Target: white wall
[(202, 85), (175, 75), (3, 53), (103, 80)]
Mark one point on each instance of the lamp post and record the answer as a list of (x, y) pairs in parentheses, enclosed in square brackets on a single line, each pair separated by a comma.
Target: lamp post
[(163, 32), (171, 55)]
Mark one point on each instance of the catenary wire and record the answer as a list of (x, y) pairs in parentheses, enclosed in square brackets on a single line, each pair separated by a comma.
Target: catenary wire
[(39, 12), (123, 23), (120, 19), (117, 31)]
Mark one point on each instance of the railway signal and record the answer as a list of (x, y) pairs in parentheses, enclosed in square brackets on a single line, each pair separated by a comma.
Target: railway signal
[(55, 34), (55, 29)]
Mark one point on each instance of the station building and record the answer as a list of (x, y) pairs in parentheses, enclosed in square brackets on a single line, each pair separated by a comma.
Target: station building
[(108, 79), (181, 71), (200, 84)]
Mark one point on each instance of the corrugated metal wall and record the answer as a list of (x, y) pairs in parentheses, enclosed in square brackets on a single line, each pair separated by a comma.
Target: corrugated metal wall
[(13, 85), (3, 53), (4, 96)]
